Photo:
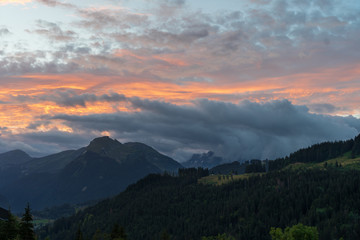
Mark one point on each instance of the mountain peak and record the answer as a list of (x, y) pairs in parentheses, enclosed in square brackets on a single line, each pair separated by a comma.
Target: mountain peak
[(14, 157), (206, 160), (102, 143), (17, 152)]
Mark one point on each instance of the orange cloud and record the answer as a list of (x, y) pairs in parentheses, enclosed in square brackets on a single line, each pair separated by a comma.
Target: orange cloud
[(337, 86), (171, 59), (22, 2)]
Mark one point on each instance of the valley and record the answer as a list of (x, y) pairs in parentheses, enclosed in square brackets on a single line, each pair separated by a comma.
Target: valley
[(321, 190)]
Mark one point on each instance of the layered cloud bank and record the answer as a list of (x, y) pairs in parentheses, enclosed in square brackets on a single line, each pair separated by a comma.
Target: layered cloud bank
[(246, 79), (235, 131), (241, 131)]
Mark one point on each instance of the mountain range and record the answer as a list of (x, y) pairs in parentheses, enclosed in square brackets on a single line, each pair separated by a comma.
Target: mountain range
[(204, 160), (102, 169), (316, 186)]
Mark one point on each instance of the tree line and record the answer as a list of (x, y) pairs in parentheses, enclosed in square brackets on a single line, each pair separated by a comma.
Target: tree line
[(13, 229), (319, 153), (327, 199)]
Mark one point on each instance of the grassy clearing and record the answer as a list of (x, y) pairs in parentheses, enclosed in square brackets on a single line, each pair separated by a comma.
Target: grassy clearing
[(224, 179), (345, 161)]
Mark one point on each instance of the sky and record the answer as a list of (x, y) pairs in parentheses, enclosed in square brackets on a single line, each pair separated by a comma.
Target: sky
[(245, 79)]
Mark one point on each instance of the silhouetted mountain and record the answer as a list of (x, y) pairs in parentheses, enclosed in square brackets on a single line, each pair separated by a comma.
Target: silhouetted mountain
[(17, 165), (324, 195), (52, 163), (132, 151), (102, 169), (13, 158), (204, 160), (11, 166)]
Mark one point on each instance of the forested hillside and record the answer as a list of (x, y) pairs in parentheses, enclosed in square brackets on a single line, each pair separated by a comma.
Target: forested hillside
[(246, 209), (102, 169), (319, 153)]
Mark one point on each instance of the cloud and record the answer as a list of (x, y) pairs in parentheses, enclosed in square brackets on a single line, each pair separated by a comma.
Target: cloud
[(118, 19), (235, 131), (15, 2), (55, 3), (51, 3), (323, 108), (70, 98), (38, 144), (54, 32), (4, 31), (6, 145), (225, 46), (167, 50)]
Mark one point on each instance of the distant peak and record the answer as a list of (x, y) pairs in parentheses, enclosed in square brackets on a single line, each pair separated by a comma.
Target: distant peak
[(101, 144), (104, 140), (16, 152)]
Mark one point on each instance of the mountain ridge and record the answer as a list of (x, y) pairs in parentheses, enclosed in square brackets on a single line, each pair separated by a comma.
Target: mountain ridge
[(13, 157), (102, 169), (245, 208)]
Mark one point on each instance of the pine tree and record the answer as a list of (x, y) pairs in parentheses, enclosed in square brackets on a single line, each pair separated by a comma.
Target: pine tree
[(118, 232), (11, 227), (26, 225), (356, 147), (79, 235)]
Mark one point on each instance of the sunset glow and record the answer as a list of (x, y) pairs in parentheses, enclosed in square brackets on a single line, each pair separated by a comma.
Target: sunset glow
[(71, 63)]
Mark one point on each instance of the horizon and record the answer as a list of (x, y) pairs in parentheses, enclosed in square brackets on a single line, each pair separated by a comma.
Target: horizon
[(224, 161), (244, 79)]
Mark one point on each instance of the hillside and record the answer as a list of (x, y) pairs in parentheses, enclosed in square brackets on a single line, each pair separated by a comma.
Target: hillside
[(245, 208), (204, 160), (52, 163), (324, 193), (102, 169), (319, 153), (12, 158)]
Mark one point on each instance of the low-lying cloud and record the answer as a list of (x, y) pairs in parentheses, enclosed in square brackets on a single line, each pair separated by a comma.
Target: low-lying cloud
[(240, 131)]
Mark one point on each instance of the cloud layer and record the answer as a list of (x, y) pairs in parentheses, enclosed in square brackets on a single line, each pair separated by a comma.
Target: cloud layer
[(247, 79), (235, 131)]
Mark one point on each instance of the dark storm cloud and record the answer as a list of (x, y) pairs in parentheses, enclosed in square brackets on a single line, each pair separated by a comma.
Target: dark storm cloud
[(65, 139), (38, 144), (276, 39), (3, 130), (35, 62), (323, 108), (70, 98), (351, 121), (235, 131)]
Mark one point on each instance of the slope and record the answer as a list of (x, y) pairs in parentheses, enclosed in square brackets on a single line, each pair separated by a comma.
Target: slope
[(132, 151), (52, 163), (245, 209), (102, 169), (13, 158)]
